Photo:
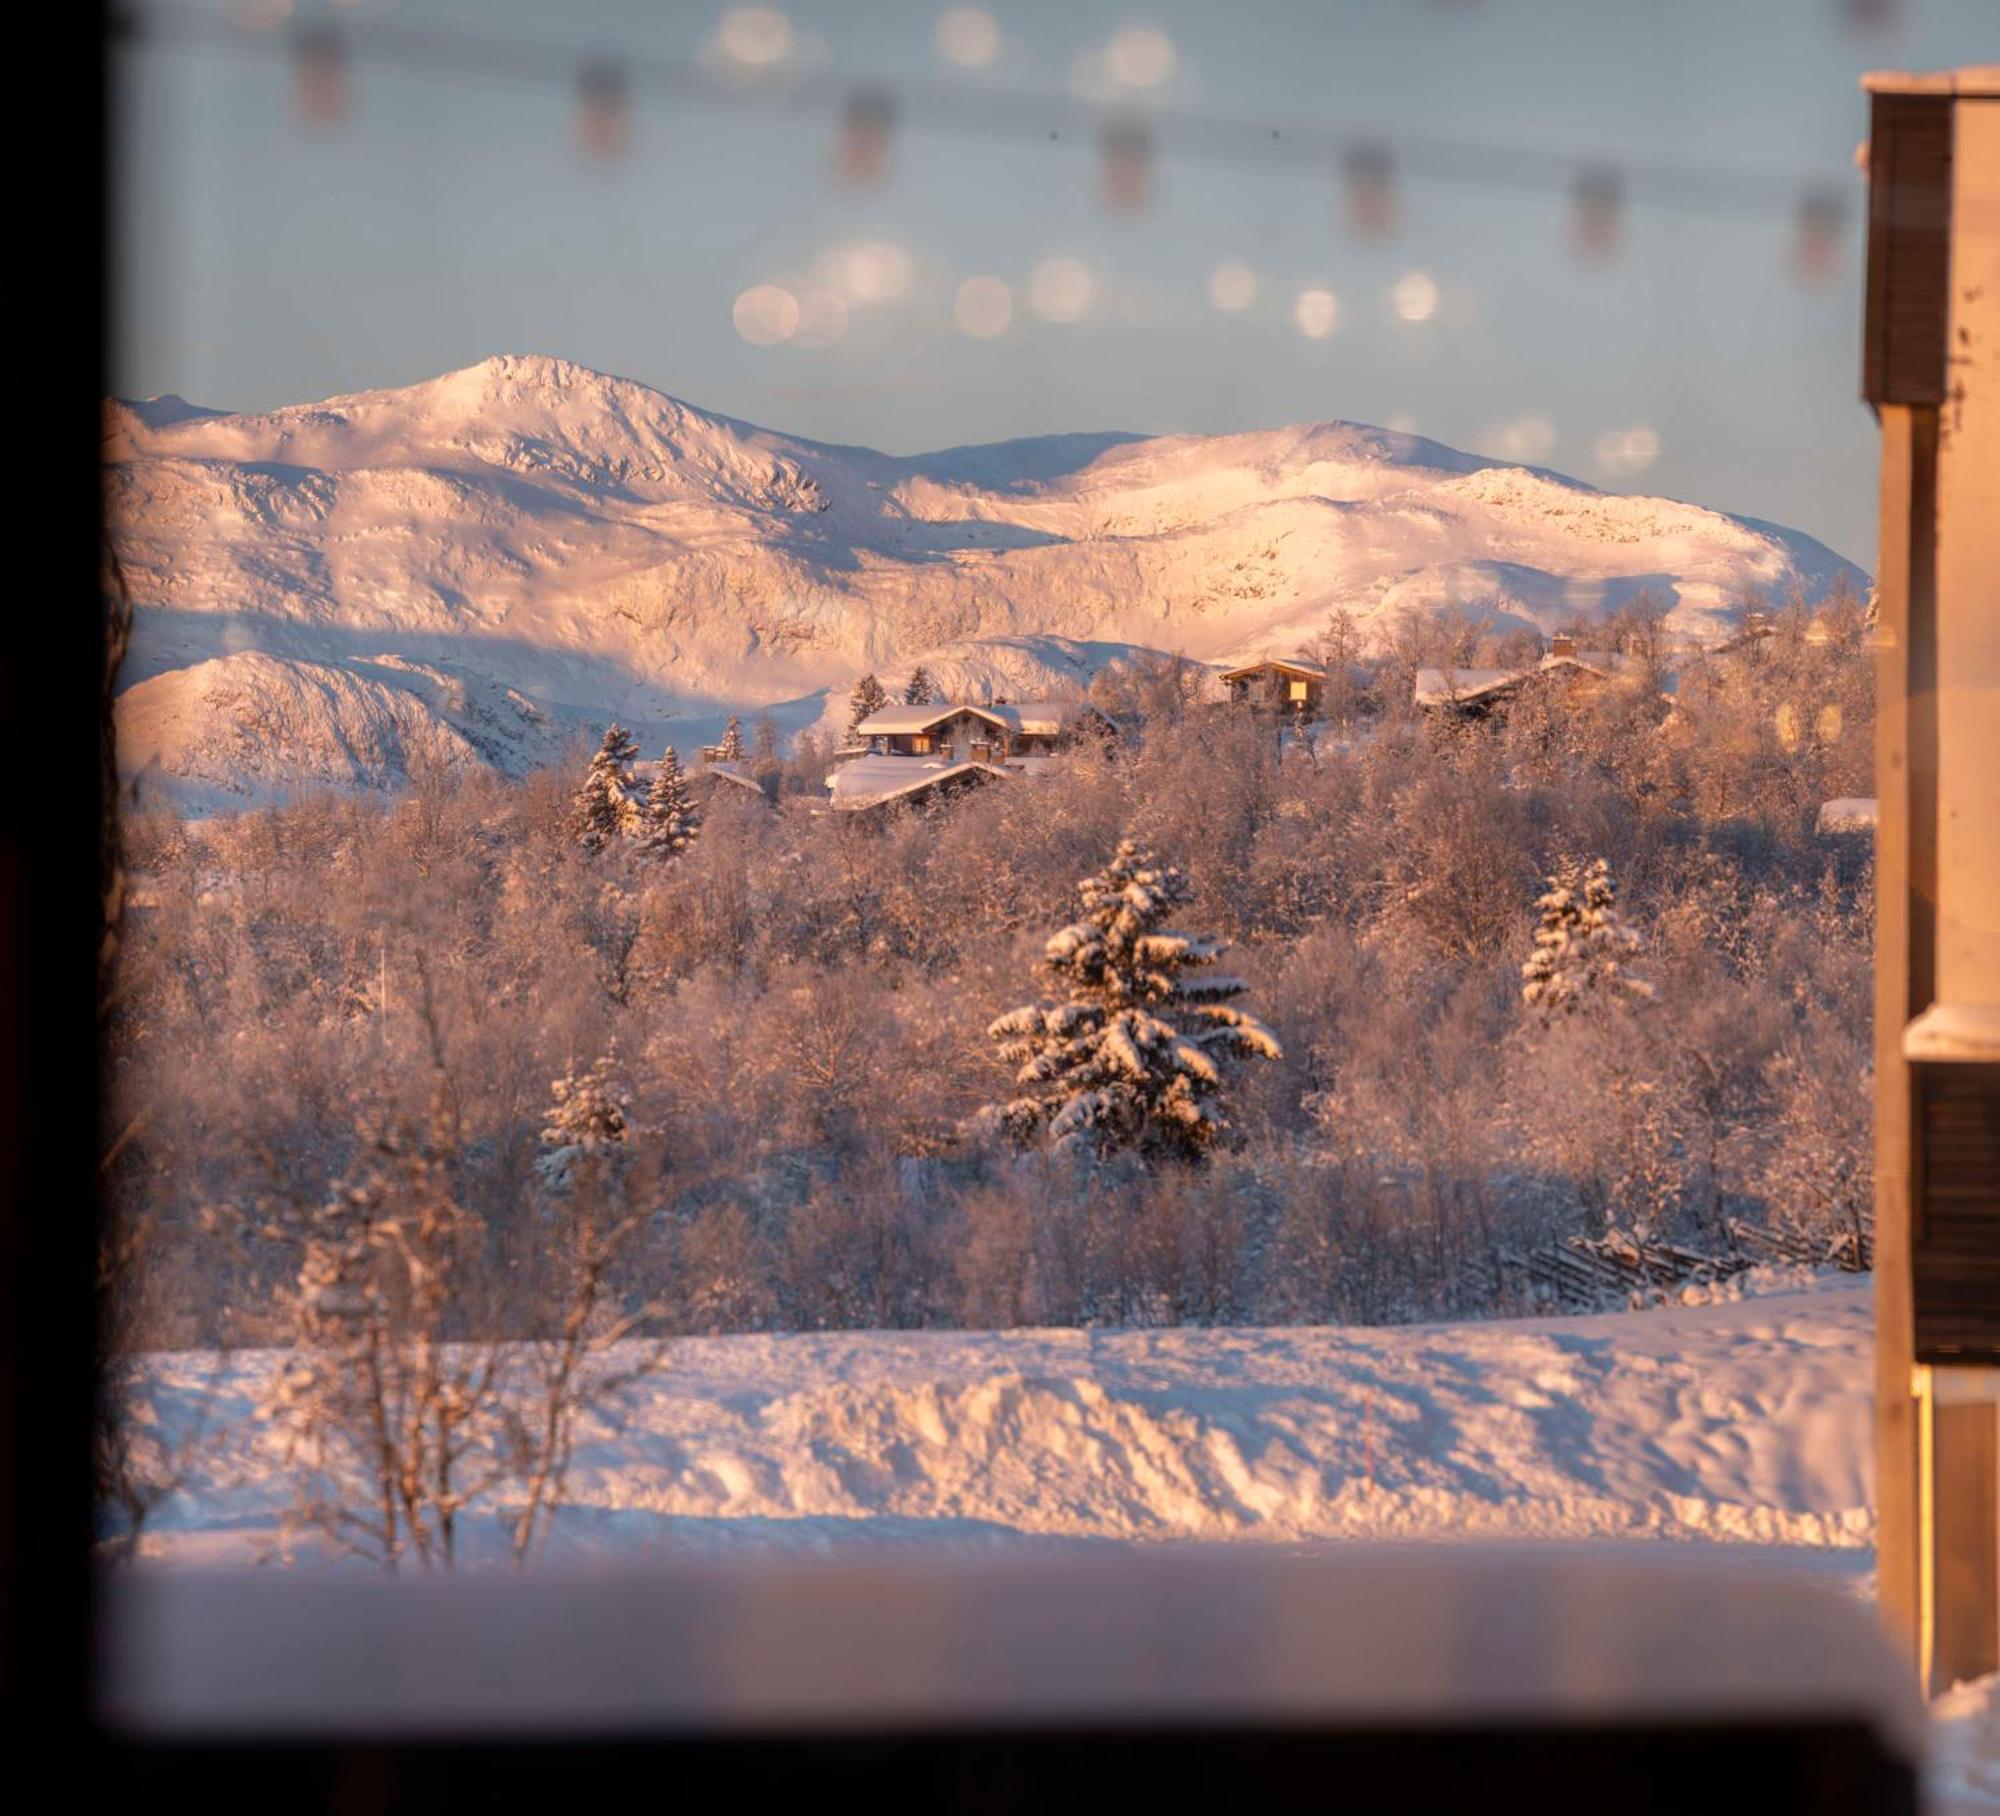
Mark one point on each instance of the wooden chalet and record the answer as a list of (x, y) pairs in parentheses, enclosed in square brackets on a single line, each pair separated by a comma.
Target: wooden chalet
[(908, 754), (1565, 673), (1003, 732), (1278, 684)]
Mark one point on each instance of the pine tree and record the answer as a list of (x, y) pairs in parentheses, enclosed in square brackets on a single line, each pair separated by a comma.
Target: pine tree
[(730, 750), (605, 808), (1581, 945), (672, 819), (763, 746), (1107, 1069), (918, 690), (868, 699), (587, 1119)]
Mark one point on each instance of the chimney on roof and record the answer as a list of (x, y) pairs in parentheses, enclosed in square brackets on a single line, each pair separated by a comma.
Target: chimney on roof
[(999, 699), (1562, 644)]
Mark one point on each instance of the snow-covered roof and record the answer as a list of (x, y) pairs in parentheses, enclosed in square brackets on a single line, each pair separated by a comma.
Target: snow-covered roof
[(1851, 813), (1297, 665), (1040, 718), (1031, 718), (1439, 686), (1436, 686), (867, 781), (731, 772), (1598, 661), (916, 718)]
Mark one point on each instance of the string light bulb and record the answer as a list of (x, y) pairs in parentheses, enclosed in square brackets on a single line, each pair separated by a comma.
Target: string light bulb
[(1816, 249), (1369, 177), (1865, 16), (1597, 203), (321, 90), (1125, 149), (861, 148), (603, 109)]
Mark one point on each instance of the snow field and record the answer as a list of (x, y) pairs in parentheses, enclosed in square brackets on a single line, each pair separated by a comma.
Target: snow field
[(1745, 1423)]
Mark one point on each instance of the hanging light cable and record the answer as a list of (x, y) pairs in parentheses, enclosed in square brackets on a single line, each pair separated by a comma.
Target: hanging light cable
[(1128, 145)]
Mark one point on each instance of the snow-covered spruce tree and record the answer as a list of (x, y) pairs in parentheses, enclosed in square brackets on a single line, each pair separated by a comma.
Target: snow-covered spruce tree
[(672, 820), (730, 750), (918, 690), (587, 1119), (605, 806), (1133, 1059), (1581, 945), (869, 698)]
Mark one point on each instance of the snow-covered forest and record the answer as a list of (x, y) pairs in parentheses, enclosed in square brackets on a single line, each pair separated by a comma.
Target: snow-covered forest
[(790, 1017)]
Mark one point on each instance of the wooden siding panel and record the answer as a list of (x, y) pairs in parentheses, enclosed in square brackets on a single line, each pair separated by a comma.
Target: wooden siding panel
[(1909, 250), (1956, 1247)]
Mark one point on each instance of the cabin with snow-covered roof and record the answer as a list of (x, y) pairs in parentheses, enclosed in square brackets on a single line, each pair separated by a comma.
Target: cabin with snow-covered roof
[(867, 784), (1565, 673), (1003, 732), (1278, 684), (907, 754)]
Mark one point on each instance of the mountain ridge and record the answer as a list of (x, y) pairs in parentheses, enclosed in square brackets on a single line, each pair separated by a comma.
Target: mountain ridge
[(593, 547)]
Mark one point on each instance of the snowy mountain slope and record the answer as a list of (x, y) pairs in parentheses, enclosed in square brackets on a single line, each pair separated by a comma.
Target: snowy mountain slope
[(1746, 1423), (603, 549), (270, 725)]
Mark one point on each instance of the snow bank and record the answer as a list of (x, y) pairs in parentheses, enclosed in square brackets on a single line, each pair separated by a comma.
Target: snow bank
[(1743, 1423), (1965, 1750)]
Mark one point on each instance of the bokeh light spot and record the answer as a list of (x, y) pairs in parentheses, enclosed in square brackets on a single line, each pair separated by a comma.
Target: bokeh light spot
[(1414, 297), (1232, 287), (1061, 290), (983, 307), (766, 314), (1317, 313), (968, 36)]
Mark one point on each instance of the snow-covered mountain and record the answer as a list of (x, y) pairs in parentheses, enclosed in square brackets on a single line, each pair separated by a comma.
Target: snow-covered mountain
[(474, 569)]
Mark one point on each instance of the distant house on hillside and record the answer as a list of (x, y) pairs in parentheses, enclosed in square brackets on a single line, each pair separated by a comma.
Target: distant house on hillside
[(711, 775), (1565, 673), (869, 784), (1754, 630), (1004, 732), (1278, 684), (913, 753)]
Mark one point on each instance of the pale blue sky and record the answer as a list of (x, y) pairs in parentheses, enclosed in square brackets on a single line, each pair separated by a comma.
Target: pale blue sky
[(264, 261)]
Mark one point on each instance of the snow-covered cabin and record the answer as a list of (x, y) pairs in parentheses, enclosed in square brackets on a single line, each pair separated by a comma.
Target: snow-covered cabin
[(877, 782), (1286, 684), (912, 752), (1566, 672), (1003, 732)]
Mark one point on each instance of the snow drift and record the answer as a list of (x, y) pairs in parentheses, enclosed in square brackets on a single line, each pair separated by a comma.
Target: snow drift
[(1745, 1422), (603, 550)]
